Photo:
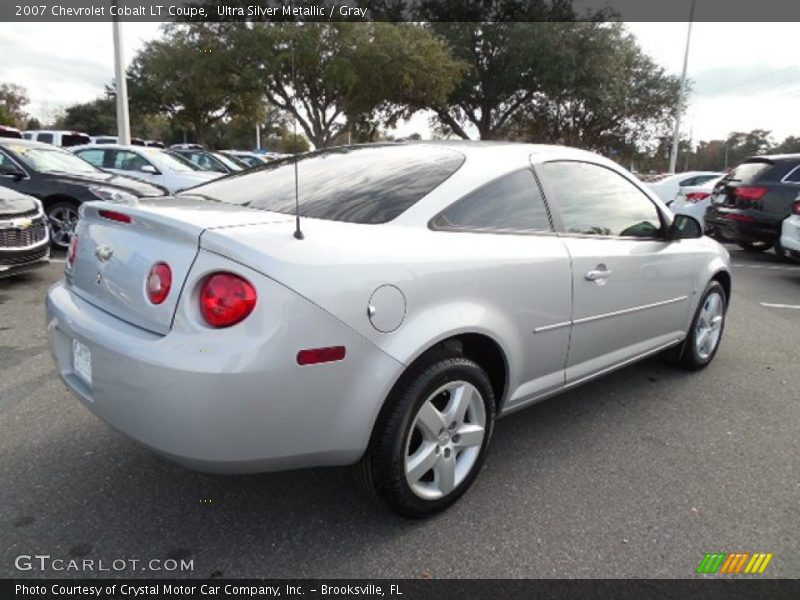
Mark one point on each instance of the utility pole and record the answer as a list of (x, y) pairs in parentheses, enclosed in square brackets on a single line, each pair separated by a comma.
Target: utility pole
[(673, 158), (258, 137), (123, 120)]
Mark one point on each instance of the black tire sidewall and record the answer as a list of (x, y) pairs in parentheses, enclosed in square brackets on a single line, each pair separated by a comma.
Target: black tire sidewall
[(51, 207), (388, 460)]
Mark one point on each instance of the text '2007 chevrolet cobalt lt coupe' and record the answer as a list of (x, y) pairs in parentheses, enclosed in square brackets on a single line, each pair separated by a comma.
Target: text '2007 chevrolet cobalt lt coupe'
[(432, 288)]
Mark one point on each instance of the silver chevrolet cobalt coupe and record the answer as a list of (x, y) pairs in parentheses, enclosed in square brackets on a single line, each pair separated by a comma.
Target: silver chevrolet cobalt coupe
[(423, 291)]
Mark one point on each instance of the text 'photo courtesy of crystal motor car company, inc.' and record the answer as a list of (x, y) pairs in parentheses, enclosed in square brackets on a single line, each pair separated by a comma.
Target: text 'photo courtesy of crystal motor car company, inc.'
[(386, 324)]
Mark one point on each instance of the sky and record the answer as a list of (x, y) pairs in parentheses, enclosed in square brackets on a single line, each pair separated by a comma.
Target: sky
[(744, 75)]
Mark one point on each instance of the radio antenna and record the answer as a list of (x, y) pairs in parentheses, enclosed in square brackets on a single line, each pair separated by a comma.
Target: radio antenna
[(298, 233)]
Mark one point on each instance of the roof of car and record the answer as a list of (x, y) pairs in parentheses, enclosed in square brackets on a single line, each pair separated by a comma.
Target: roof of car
[(113, 147), (26, 143), (773, 157)]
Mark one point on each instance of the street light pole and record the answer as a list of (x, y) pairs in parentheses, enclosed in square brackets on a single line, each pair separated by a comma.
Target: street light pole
[(123, 120), (673, 158)]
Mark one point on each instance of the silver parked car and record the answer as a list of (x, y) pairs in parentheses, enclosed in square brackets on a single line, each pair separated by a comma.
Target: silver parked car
[(425, 290), (24, 235)]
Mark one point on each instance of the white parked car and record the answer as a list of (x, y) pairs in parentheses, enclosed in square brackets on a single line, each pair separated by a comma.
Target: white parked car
[(693, 200), (153, 165), (667, 187), (790, 234), (429, 288)]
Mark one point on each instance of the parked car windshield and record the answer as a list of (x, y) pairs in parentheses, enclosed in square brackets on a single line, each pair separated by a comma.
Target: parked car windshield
[(169, 160), (52, 160), (356, 184)]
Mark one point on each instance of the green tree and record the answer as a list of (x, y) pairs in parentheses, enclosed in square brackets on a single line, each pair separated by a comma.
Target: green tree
[(13, 99), (331, 76), (189, 76), (790, 145), (610, 95), (96, 117)]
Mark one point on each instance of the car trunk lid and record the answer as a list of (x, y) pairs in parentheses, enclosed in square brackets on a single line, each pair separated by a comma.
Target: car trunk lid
[(118, 245)]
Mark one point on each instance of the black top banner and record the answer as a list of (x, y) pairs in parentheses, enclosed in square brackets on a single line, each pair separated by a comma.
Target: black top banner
[(399, 10)]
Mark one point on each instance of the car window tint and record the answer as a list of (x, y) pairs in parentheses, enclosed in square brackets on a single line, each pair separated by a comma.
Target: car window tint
[(793, 176), (748, 171), (5, 161), (355, 184), (47, 138), (510, 203), (129, 161), (595, 200), (75, 139), (93, 156)]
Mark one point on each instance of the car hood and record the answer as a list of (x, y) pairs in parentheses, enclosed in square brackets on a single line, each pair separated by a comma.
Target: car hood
[(12, 203), (128, 184)]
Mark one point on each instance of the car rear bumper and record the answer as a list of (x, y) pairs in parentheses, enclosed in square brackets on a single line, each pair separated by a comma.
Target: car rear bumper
[(249, 408), (741, 225)]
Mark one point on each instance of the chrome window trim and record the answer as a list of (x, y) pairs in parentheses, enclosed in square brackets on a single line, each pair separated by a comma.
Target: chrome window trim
[(783, 179)]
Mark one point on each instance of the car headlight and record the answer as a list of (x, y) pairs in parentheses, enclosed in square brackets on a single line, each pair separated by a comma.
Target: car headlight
[(111, 194)]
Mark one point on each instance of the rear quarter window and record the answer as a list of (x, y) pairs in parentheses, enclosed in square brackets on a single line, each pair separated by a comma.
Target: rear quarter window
[(355, 184), (749, 171)]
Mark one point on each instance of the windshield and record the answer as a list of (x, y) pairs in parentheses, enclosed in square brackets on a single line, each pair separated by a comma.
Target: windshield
[(356, 184), (748, 171), (231, 164), (52, 160), (168, 160)]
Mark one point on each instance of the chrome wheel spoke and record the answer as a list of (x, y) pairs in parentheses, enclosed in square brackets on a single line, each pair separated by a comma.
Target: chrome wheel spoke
[(468, 435), (445, 471), (421, 462), (430, 421), (459, 403)]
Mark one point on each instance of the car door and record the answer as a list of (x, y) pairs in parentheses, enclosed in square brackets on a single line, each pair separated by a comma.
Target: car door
[(527, 277), (631, 286), (127, 162)]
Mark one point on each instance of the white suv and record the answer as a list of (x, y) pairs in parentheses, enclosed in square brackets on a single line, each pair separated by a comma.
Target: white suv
[(62, 139)]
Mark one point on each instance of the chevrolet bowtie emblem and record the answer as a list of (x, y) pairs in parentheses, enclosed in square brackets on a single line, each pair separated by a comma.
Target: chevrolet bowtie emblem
[(103, 252), (21, 223)]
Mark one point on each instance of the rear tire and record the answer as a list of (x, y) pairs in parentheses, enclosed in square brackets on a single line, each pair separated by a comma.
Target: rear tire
[(431, 439), (705, 333), (759, 246)]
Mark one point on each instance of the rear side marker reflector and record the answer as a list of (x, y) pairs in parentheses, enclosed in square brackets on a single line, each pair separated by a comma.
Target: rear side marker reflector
[(315, 356), (113, 215)]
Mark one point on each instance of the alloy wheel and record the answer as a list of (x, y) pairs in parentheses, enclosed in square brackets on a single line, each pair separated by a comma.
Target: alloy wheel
[(63, 220), (709, 326), (445, 440)]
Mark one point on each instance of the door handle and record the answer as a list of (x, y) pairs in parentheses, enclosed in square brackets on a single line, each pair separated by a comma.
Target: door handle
[(598, 274)]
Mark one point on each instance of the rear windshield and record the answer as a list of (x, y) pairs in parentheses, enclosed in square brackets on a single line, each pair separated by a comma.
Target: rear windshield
[(75, 140), (356, 184), (748, 171)]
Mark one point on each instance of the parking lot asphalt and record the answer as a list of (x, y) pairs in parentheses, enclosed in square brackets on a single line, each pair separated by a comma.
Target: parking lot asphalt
[(638, 474)]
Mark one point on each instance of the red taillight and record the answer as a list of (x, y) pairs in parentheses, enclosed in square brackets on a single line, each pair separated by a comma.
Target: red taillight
[(159, 282), (226, 299), (796, 208), (72, 251), (320, 355), (695, 197), (736, 217), (748, 192), (113, 215)]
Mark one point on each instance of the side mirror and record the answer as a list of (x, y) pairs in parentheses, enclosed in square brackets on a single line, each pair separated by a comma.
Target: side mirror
[(685, 227), (12, 171), (149, 169)]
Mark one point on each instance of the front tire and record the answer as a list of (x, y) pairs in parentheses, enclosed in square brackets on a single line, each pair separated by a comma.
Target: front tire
[(705, 334), (431, 440), (63, 218)]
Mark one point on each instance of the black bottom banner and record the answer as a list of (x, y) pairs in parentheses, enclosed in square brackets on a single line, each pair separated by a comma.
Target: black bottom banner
[(401, 589)]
